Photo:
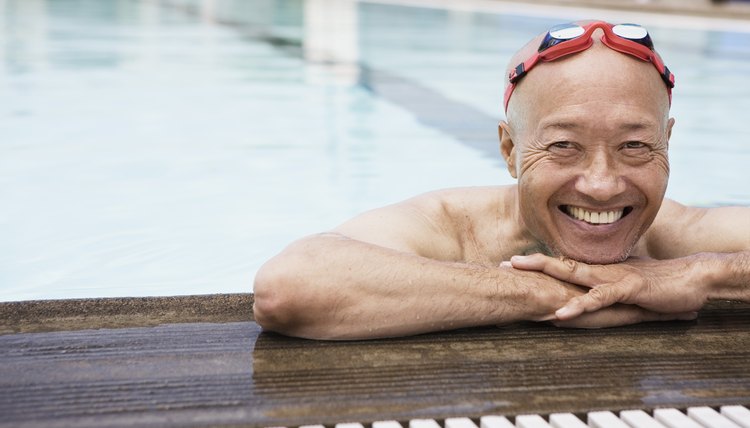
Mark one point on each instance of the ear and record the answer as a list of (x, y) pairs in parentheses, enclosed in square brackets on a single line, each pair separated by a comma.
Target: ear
[(670, 124), (507, 148)]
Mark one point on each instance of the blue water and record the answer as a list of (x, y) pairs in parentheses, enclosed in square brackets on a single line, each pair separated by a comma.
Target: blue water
[(170, 147)]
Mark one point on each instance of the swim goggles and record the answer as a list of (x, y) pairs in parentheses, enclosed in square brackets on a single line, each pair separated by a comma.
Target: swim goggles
[(566, 39)]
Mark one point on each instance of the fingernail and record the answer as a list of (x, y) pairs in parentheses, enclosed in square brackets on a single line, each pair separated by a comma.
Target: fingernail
[(517, 258)]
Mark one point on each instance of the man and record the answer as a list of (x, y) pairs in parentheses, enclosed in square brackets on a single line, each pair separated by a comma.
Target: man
[(585, 238)]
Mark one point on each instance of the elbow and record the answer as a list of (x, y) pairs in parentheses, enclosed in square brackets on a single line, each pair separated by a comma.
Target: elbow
[(273, 298), (293, 297)]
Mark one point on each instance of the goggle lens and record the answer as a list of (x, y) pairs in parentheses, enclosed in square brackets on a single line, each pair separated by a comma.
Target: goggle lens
[(630, 31), (566, 32), (559, 34), (633, 32)]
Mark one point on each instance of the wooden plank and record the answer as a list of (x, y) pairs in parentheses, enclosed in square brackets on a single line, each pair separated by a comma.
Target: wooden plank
[(231, 374), (82, 314)]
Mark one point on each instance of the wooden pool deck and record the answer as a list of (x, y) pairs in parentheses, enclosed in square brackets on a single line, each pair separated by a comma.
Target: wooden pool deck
[(202, 361)]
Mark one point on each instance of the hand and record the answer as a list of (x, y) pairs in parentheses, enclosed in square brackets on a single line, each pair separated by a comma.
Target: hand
[(544, 295), (538, 295), (665, 287)]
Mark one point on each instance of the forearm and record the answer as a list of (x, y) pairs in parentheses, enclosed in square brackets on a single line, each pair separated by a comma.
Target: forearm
[(728, 275), (332, 287)]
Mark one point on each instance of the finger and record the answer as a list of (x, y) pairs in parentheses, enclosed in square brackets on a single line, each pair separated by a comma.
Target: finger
[(595, 299), (563, 268), (530, 262), (622, 315), (608, 317)]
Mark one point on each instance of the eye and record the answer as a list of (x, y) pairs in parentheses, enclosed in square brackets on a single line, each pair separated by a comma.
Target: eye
[(563, 149), (634, 145), (560, 145)]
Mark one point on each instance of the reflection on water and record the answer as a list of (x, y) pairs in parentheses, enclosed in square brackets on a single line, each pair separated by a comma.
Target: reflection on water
[(169, 147)]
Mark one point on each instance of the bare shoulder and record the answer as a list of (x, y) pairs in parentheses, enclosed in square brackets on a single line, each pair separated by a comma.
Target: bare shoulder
[(431, 224), (680, 230), (465, 202)]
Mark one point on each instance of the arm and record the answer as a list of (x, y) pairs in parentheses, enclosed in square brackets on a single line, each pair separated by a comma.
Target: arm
[(705, 255), (730, 278), (719, 238), (393, 272), (333, 287)]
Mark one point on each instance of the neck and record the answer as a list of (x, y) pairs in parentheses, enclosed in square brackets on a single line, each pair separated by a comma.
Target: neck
[(525, 242)]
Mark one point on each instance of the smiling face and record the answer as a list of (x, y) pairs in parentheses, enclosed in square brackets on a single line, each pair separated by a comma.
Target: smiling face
[(587, 139)]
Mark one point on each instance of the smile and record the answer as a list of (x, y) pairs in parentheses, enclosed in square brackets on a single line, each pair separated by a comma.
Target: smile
[(595, 217)]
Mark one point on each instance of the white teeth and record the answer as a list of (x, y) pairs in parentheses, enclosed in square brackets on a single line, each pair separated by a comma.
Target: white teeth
[(594, 217)]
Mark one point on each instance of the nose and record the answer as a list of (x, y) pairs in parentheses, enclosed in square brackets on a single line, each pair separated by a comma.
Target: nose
[(601, 179)]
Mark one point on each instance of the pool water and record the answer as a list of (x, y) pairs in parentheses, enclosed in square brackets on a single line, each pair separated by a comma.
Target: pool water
[(171, 147)]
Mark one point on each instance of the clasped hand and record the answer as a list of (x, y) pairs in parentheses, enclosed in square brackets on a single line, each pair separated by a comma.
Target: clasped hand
[(663, 289)]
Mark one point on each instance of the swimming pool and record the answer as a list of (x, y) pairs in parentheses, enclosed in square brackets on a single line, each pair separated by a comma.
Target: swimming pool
[(170, 147)]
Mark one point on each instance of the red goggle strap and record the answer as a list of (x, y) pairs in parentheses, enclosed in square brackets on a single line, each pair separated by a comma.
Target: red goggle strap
[(640, 51), (552, 53)]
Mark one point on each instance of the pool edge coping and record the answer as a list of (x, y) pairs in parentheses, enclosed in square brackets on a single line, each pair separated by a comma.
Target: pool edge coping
[(37, 316)]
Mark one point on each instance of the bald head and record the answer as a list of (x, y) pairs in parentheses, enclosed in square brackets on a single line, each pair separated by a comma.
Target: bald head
[(594, 69)]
